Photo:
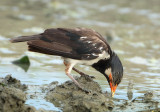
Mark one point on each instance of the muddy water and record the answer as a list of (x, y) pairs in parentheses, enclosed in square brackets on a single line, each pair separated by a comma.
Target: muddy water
[(133, 29)]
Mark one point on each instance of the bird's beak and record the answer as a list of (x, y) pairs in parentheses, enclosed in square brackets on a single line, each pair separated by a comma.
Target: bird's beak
[(112, 86), (113, 89)]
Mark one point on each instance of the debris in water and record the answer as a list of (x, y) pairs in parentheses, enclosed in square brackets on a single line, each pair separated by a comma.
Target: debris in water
[(23, 62), (129, 90)]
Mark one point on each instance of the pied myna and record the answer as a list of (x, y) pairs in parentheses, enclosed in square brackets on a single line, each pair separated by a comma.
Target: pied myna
[(78, 46)]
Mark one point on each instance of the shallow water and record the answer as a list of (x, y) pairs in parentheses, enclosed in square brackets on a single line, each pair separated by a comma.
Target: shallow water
[(134, 27)]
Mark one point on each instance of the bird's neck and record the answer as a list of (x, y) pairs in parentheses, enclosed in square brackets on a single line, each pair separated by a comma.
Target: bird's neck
[(102, 65)]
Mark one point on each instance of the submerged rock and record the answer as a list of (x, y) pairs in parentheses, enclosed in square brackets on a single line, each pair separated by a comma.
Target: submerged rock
[(71, 98)]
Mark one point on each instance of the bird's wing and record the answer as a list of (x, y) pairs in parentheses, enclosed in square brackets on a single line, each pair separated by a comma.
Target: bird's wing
[(78, 43)]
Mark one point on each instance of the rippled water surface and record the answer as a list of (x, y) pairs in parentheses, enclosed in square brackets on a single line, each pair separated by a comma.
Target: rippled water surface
[(131, 27)]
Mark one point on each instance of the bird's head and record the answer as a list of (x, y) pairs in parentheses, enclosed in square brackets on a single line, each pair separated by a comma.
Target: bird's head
[(114, 72), (112, 69)]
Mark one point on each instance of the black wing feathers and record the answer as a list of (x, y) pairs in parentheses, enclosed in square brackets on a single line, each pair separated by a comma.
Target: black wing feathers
[(78, 43), (52, 49), (91, 45), (26, 38)]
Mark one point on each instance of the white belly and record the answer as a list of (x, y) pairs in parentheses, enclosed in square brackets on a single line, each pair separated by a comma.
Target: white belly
[(104, 55)]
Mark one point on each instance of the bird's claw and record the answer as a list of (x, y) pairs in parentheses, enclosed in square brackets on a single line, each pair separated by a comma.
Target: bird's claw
[(83, 74), (85, 90), (93, 77)]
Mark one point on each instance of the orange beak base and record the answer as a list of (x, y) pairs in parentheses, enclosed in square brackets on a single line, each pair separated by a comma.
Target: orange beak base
[(112, 86)]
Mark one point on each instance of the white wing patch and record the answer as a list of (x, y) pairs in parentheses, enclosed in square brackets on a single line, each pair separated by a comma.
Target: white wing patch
[(100, 48), (89, 42), (83, 38), (94, 54), (94, 44)]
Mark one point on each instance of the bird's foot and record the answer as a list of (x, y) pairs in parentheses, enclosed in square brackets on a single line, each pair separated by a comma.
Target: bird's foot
[(85, 90), (83, 74)]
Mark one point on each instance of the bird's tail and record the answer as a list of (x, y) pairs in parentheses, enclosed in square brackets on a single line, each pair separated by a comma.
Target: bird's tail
[(26, 38)]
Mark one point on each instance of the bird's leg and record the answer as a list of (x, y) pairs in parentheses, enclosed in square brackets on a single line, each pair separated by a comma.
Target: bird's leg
[(68, 71), (81, 73)]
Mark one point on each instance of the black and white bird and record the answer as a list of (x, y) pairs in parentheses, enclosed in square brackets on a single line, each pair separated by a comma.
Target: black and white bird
[(78, 46)]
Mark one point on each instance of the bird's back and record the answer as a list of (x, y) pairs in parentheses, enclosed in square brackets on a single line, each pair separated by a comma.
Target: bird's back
[(78, 43)]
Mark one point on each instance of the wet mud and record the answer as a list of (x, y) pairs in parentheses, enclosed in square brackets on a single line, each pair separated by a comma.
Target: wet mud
[(69, 98), (9, 81), (13, 97)]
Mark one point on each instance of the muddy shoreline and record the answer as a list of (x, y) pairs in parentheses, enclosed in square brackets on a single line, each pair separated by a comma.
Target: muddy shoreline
[(68, 97), (13, 96)]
